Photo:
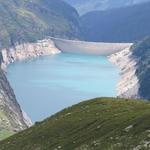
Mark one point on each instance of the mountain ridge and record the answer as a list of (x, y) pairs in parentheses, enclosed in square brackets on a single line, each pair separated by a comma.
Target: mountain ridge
[(84, 6), (118, 25), (28, 21)]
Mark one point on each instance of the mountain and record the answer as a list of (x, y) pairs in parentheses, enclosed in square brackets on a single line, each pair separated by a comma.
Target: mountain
[(127, 24), (141, 52), (28, 21), (102, 123), (84, 6)]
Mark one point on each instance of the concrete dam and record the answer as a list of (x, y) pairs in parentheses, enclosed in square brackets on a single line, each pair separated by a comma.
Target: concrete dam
[(91, 48)]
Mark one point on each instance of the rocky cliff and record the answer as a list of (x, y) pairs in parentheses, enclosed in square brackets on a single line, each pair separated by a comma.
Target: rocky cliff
[(141, 53), (129, 84), (134, 63), (12, 118)]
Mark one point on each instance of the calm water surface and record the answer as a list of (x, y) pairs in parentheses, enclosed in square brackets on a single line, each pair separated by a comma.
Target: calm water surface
[(48, 84)]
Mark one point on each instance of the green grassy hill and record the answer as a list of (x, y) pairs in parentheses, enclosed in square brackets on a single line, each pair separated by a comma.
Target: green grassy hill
[(29, 20), (98, 124)]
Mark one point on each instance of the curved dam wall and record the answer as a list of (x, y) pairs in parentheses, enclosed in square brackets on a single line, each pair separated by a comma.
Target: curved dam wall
[(91, 48)]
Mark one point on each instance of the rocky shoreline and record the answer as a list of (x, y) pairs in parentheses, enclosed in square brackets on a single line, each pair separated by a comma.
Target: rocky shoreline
[(128, 86), (27, 51)]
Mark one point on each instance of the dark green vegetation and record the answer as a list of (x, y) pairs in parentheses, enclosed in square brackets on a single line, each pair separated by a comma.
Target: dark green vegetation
[(118, 25), (98, 124), (141, 51), (30, 20)]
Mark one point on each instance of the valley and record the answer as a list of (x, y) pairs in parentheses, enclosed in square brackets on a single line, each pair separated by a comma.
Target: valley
[(54, 56)]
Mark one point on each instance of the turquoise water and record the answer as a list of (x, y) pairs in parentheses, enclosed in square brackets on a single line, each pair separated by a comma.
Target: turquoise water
[(45, 85)]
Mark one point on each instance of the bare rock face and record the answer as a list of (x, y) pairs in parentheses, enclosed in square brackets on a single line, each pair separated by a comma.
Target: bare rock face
[(27, 51), (10, 107), (128, 87), (12, 118)]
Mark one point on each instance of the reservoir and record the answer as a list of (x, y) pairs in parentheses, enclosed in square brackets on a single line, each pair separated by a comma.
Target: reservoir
[(46, 85)]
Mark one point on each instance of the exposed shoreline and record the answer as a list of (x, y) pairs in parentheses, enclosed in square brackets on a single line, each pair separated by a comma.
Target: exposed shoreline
[(128, 85), (27, 51)]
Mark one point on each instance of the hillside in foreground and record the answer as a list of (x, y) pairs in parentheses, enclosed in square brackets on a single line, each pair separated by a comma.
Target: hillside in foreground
[(102, 123)]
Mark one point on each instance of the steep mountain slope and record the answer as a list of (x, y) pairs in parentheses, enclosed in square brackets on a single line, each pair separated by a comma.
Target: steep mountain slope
[(26, 20), (141, 52), (84, 6), (12, 118), (102, 123), (118, 25), (134, 65)]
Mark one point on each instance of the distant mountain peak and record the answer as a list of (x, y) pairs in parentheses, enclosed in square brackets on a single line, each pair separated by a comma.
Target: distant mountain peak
[(84, 6)]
